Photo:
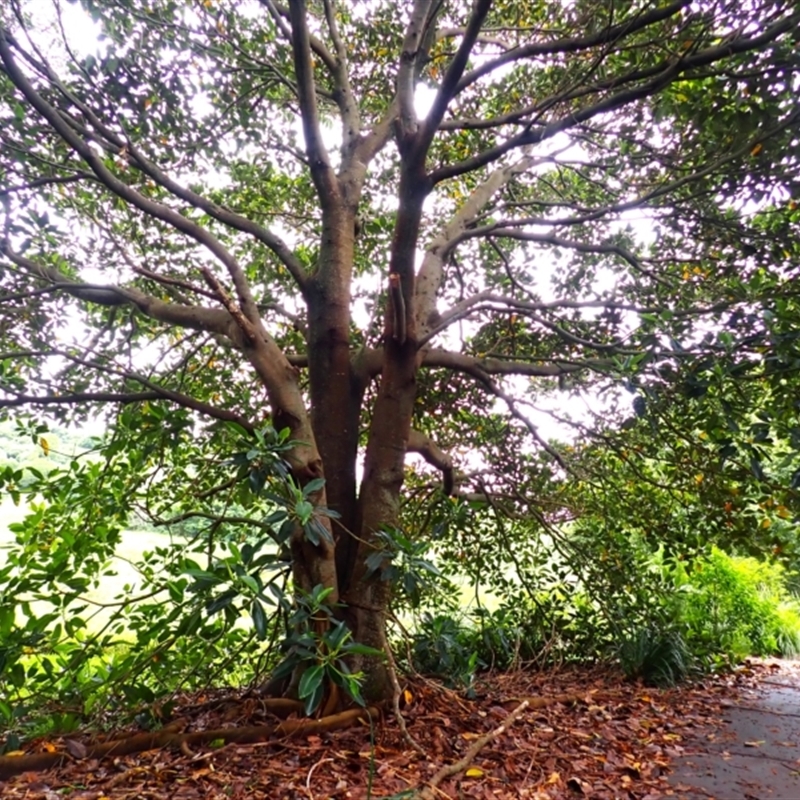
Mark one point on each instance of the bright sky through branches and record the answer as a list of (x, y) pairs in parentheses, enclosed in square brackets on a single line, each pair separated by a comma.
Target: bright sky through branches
[(84, 37)]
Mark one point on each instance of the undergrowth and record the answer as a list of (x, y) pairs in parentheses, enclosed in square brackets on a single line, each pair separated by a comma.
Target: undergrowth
[(692, 618)]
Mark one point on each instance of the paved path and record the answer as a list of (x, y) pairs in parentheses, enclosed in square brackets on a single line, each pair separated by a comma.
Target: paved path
[(755, 754)]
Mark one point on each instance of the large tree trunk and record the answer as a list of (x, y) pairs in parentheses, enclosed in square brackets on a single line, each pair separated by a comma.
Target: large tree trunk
[(336, 389), (367, 595), (365, 614), (334, 415)]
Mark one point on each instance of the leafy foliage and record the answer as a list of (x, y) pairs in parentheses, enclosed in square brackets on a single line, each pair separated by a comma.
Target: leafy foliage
[(733, 607), (235, 235), (182, 622)]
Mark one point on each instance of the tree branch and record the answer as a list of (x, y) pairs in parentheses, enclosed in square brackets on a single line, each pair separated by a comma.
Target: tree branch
[(224, 215), (408, 71), (157, 392), (431, 270), (483, 368), (348, 107), (35, 184), (167, 281), (373, 142), (187, 401), (432, 791), (125, 147), (422, 444), (666, 188), (669, 71), (579, 247), (79, 397), (319, 163), (511, 405), (280, 14), (484, 38), (150, 207), (448, 86), (573, 45), (201, 318), (246, 326)]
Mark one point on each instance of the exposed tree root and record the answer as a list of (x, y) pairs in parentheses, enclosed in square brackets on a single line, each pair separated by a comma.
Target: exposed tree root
[(282, 706), (430, 792), (172, 735), (138, 743)]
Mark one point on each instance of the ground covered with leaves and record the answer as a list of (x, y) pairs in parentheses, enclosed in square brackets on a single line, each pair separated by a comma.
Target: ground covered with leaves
[(613, 740)]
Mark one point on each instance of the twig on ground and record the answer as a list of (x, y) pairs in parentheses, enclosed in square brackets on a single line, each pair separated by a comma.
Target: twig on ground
[(429, 791), (311, 772), (396, 692)]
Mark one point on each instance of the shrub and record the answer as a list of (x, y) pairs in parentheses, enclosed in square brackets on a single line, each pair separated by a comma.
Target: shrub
[(444, 647), (658, 656), (732, 607)]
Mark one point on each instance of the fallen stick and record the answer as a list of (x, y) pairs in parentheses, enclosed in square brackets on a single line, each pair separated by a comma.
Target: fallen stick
[(429, 792)]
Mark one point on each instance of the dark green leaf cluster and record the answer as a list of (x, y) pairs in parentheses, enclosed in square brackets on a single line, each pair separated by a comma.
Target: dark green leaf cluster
[(320, 658)]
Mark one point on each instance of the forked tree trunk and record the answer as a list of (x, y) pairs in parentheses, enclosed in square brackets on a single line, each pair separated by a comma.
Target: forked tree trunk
[(337, 391)]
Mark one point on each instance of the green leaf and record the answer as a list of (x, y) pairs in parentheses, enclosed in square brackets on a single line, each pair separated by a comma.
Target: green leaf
[(315, 531), (236, 428), (285, 668), (304, 511), (313, 486), (222, 601), (314, 699), (312, 534), (310, 681), (259, 619), (353, 687)]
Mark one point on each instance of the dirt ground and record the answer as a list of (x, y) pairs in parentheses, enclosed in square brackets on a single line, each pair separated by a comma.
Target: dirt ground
[(579, 733)]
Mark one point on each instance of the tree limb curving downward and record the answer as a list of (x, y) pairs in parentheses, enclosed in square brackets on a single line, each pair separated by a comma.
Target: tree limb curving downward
[(419, 442)]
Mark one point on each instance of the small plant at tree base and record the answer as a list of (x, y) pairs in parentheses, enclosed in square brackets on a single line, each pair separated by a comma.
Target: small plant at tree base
[(443, 647), (317, 650)]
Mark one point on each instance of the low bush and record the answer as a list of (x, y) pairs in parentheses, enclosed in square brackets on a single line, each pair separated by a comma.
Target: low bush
[(658, 656), (710, 613), (732, 607)]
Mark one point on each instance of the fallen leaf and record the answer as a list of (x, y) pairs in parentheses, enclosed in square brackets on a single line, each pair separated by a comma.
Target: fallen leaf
[(577, 785), (76, 749)]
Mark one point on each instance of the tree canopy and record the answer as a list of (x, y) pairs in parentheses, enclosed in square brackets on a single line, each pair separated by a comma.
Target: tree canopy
[(298, 242)]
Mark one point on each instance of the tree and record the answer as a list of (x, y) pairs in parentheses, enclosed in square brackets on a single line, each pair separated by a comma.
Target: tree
[(222, 199)]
